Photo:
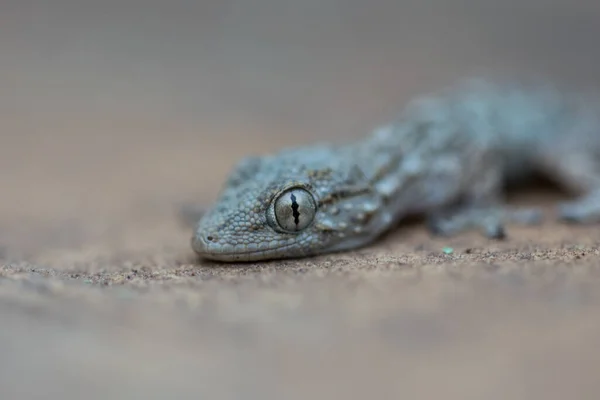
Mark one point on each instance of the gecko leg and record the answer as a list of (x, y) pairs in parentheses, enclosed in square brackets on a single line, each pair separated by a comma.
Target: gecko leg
[(585, 210), (579, 172), (489, 219), (481, 208)]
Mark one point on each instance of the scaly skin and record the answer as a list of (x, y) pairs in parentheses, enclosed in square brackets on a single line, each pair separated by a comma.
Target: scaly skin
[(446, 156)]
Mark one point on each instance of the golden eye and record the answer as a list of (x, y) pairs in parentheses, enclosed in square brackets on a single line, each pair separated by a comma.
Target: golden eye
[(294, 209)]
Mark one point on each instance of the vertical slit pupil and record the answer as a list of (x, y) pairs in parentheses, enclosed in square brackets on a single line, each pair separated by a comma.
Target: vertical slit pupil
[(295, 207)]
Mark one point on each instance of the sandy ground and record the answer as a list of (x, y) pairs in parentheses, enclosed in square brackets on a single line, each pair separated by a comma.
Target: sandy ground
[(112, 117)]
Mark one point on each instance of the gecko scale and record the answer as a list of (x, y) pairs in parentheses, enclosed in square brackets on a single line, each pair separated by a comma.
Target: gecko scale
[(447, 156)]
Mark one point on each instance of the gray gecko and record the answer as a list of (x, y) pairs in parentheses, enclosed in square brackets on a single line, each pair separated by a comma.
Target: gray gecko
[(447, 156)]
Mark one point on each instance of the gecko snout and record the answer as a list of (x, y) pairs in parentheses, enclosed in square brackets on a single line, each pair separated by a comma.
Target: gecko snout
[(203, 243)]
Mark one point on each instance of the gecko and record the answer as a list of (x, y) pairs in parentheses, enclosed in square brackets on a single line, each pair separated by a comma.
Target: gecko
[(447, 155)]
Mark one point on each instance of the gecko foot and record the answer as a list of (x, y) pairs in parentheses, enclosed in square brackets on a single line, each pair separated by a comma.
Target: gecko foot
[(490, 220), (585, 210)]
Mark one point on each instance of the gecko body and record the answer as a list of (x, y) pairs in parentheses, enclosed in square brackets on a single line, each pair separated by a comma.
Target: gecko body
[(447, 156)]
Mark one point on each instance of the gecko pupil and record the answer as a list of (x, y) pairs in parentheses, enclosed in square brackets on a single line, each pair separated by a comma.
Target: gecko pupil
[(295, 211)]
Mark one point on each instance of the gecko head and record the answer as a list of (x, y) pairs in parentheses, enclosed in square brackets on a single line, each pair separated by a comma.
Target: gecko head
[(296, 203)]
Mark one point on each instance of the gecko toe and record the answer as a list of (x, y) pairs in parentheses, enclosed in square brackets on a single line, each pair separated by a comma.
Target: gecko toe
[(572, 214), (579, 212), (495, 231), (440, 226), (489, 220), (569, 216), (584, 210), (529, 216)]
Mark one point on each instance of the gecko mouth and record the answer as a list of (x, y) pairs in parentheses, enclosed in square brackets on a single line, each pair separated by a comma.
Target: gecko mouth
[(212, 251)]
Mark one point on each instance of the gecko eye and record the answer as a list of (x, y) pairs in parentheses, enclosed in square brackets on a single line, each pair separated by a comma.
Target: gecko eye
[(294, 209)]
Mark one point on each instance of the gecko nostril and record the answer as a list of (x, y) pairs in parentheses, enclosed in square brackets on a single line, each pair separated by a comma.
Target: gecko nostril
[(210, 238)]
